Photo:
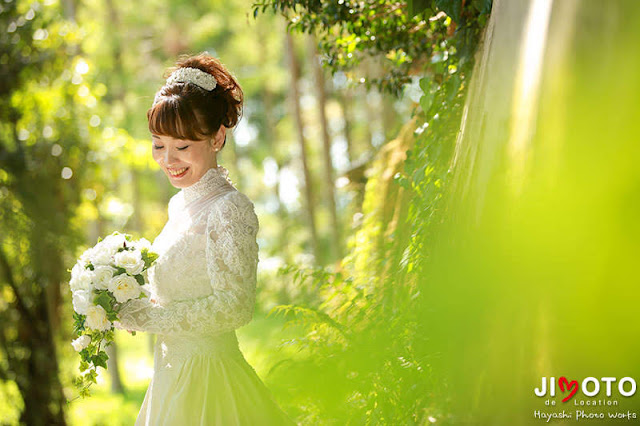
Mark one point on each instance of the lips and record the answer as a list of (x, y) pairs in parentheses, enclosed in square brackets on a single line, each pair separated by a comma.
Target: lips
[(177, 173)]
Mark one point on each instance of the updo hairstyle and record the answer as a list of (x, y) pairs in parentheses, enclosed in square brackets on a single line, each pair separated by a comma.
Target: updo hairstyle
[(187, 111)]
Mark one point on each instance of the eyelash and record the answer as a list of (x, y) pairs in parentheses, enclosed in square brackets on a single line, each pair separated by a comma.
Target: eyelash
[(179, 149)]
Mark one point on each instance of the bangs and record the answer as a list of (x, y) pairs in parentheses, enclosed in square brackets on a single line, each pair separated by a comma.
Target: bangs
[(172, 116)]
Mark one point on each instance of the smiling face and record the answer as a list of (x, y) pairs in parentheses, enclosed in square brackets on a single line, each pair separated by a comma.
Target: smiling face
[(185, 161)]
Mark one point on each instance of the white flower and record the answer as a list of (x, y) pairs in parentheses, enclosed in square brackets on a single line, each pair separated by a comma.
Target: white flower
[(86, 256), (77, 268), (82, 300), (103, 252), (103, 255), (102, 274), (97, 318), (130, 260), (81, 342), (124, 287), (81, 279), (142, 243), (114, 241)]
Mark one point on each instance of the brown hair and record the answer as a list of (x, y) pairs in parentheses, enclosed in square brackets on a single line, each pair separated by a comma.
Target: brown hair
[(187, 111)]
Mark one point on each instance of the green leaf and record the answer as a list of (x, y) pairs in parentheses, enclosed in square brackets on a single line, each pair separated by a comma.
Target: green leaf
[(104, 299), (99, 361), (450, 7), (139, 278), (415, 7), (148, 257)]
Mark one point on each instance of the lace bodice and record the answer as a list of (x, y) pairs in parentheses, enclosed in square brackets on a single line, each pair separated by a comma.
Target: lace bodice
[(204, 280)]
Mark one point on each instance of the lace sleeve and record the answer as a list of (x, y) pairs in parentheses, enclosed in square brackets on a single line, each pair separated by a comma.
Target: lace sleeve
[(232, 260)]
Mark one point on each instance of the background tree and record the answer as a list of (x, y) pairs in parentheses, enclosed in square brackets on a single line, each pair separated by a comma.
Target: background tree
[(39, 109)]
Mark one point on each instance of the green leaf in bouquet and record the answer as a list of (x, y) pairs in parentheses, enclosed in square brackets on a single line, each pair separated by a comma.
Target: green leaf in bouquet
[(98, 362), (78, 325), (109, 335), (119, 271), (139, 278), (104, 299), (92, 376), (84, 366), (84, 392), (148, 257), (90, 266)]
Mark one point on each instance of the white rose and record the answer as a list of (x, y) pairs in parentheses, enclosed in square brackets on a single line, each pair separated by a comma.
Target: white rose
[(86, 256), (142, 243), (130, 260), (81, 342), (78, 268), (124, 287), (97, 318), (81, 279), (102, 274), (114, 242), (82, 300), (102, 255)]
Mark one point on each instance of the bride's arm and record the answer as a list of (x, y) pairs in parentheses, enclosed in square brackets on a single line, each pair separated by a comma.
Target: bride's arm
[(232, 260)]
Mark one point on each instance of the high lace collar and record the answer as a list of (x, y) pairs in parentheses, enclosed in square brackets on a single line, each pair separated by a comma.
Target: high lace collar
[(214, 180)]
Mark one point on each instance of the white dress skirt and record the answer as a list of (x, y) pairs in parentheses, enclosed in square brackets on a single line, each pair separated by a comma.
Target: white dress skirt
[(203, 288)]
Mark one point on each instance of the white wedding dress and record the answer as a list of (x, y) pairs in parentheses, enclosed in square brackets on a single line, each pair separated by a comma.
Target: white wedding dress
[(204, 284)]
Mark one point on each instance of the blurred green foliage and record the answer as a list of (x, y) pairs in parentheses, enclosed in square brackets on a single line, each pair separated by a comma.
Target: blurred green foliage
[(408, 36), (39, 117), (364, 355)]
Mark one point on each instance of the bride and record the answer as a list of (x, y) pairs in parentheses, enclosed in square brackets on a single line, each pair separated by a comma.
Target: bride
[(202, 286)]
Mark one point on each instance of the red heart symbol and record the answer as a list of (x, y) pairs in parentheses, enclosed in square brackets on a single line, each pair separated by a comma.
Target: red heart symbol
[(562, 382)]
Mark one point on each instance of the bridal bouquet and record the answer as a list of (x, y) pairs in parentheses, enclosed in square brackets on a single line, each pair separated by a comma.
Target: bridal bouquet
[(104, 277)]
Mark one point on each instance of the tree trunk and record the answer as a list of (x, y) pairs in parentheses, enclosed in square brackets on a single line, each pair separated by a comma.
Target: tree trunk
[(294, 69), (36, 374), (326, 144), (345, 97), (278, 154)]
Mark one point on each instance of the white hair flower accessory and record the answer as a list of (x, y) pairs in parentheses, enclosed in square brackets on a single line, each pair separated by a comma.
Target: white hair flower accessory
[(193, 76)]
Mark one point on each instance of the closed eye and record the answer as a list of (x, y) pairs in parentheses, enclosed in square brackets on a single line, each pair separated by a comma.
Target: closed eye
[(179, 149)]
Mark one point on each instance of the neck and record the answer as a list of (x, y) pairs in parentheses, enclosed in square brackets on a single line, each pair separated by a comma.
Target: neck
[(214, 181)]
